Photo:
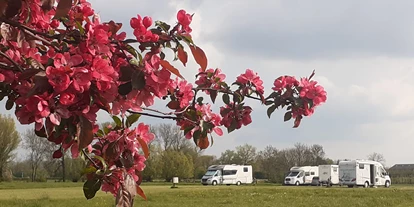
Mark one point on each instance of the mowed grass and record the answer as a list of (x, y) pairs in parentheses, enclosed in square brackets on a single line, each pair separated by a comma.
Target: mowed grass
[(53, 194)]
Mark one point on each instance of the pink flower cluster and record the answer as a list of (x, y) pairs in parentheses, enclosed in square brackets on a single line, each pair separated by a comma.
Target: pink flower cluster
[(310, 94), (210, 79), (250, 82), (141, 32), (199, 118), (120, 149), (184, 19), (235, 115)]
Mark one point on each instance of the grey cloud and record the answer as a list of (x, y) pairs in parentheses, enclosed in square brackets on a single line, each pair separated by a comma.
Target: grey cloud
[(311, 29)]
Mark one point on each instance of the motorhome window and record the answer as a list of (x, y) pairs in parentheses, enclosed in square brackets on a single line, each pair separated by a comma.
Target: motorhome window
[(335, 169), (312, 173), (233, 172), (306, 173), (211, 172), (361, 166), (227, 172), (293, 174), (245, 169)]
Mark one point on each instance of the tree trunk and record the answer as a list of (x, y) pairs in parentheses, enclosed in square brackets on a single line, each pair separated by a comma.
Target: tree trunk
[(1, 173), (63, 168)]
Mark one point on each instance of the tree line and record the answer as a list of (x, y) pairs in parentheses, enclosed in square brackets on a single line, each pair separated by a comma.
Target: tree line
[(171, 155)]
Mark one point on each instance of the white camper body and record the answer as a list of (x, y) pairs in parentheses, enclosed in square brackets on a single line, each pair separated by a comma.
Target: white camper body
[(301, 175), (363, 173), (329, 174), (228, 174)]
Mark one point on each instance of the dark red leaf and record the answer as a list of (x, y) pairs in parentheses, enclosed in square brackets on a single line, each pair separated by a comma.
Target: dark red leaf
[(165, 64), (297, 122), (125, 88), (28, 73), (114, 27), (85, 133), (141, 193), (138, 80), (13, 8), (213, 95), (58, 154), (199, 56), (47, 4), (144, 147), (182, 55), (63, 8), (203, 143), (173, 105)]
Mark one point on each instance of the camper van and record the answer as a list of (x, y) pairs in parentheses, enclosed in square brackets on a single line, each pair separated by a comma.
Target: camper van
[(363, 173), (228, 174), (301, 175), (329, 175)]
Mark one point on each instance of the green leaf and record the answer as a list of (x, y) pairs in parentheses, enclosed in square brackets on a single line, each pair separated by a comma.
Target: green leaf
[(288, 116), (267, 103), (188, 129), (226, 99), (196, 136), (9, 104), (131, 119), (270, 110), (200, 100), (125, 88), (237, 97), (105, 166), (126, 73), (88, 170), (117, 121), (232, 127), (164, 26), (213, 95), (138, 80), (131, 50), (91, 187)]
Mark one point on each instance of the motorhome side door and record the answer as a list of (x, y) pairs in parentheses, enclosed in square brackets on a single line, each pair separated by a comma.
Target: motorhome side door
[(220, 176)]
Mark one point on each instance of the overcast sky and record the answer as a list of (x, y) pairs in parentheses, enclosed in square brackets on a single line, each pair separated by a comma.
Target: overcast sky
[(362, 52)]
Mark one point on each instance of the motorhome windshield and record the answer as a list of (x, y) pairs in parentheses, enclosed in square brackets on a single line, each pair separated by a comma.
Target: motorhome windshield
[(293, 173), (211, 172)]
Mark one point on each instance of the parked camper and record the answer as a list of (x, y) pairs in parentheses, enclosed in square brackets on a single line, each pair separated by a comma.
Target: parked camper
[(363, 173), (329, 175), (228, 174), (301, 175)]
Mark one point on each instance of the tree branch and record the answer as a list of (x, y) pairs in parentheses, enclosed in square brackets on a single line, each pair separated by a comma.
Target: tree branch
[(153, 115), (90, 159), (228, 92), (12, 61)]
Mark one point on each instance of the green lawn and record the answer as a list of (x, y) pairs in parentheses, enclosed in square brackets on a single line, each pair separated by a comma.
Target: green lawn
[(53, 194)]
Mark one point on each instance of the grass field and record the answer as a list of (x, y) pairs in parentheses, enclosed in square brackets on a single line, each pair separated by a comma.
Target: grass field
[(70, 194)]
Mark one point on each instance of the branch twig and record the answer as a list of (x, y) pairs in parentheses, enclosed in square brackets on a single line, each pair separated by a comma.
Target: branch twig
[(153, 115), (90, 159), (12, 61)]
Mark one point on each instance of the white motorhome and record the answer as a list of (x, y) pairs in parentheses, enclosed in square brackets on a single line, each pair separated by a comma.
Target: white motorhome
[(228, 174), (363, 173), (301, 175), (329, 175)]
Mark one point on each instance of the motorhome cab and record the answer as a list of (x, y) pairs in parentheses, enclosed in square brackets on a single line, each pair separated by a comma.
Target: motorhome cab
[(363, 173), (301, 175), (228, 174), (329, 174)]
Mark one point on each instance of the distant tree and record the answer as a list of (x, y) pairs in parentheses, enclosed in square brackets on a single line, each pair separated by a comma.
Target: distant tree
[(175, 163), (9, 141), (37, 148), (228, 157), (376, 157), (171, 137), (246, 154)]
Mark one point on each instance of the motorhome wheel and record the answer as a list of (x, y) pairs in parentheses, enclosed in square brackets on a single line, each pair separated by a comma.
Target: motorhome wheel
[(366, 184), (238, 183), (214, 182), (387, 184), (297, 183)]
